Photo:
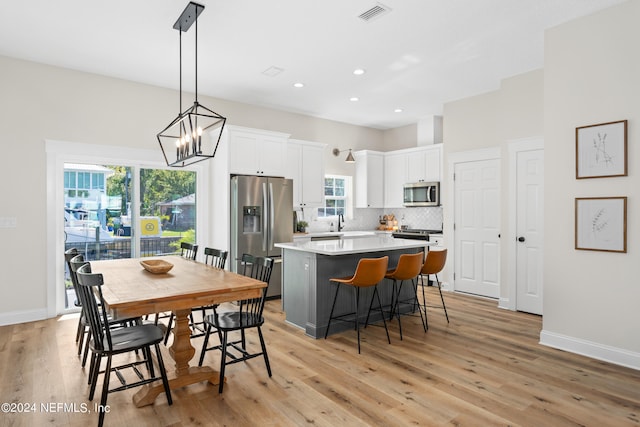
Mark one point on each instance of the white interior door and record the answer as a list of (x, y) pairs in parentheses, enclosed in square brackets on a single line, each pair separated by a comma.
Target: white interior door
[(529, 230), (477, 227)]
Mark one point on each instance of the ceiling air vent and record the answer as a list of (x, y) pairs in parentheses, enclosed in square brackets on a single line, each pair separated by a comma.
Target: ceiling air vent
[(272, 71), (375, 12)]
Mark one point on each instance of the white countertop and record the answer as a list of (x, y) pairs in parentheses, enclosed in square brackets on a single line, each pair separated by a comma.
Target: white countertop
[(342, 234), (355, 245)]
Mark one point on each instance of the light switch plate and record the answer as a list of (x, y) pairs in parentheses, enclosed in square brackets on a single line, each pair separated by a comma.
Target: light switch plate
[(8, 222)]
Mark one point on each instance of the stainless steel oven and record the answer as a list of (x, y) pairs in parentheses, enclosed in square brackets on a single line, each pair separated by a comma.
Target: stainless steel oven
[(421, 194)]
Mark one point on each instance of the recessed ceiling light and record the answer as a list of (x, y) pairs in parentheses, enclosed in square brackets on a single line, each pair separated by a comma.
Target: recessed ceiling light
[(359, 71), (398, 110), (298, 84), (354, 99)]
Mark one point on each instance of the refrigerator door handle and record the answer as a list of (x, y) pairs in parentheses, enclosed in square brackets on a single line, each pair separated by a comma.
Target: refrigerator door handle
[(271, 216), (265, 203)]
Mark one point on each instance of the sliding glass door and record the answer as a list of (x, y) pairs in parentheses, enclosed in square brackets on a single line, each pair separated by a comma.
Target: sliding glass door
[(103, 219), (167, 210)]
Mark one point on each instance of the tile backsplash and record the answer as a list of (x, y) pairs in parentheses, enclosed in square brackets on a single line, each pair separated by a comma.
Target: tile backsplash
[(368, 219)]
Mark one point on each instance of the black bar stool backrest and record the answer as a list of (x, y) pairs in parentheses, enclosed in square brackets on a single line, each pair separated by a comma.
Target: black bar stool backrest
[(215, 257)]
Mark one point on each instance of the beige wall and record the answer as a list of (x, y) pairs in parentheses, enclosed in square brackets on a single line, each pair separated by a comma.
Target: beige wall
[(41, 102), (592, 67), (590, 76), (492, 120), (471, 123), (399, 138)]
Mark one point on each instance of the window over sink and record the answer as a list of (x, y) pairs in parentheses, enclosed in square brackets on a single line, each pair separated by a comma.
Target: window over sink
[(337, 196)]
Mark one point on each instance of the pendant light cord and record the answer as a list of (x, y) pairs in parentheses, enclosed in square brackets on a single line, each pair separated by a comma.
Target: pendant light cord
[(196, 60), (180, 101)]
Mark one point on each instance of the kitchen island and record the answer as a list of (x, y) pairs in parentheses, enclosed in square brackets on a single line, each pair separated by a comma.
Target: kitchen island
[(307, 267)]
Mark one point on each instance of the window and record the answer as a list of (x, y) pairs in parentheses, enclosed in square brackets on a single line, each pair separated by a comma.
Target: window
[(84, 180), (79, 184), (336, 196), (97, 181)]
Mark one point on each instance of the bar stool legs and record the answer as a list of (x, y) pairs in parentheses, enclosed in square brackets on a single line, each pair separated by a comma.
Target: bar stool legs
[(433, 265), (368, 273), (356, 312), (408, 268)]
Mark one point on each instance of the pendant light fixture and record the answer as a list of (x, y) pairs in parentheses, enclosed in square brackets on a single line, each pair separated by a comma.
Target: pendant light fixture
[(349, 159), (194, 135)]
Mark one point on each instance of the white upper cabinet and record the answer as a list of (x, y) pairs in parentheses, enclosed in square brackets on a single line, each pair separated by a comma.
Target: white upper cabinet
[(433, 162), (395, 176), (305, 165), (257, 152), (408, 166), (423, 164), (416, 166), (369, 179)]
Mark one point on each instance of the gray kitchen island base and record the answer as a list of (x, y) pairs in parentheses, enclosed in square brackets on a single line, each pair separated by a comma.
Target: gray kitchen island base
[(307, 293)]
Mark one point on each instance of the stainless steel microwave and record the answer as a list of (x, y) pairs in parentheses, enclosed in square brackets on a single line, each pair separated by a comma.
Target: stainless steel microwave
[(421, 194)]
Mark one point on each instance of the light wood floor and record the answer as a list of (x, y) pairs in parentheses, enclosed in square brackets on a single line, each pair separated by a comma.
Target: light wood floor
[(485, 368)]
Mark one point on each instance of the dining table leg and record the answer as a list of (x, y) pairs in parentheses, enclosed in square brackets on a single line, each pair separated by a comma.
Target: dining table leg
[(182, 352)]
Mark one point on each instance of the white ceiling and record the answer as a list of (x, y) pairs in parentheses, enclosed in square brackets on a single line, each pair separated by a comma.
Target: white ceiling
[(418, 56)]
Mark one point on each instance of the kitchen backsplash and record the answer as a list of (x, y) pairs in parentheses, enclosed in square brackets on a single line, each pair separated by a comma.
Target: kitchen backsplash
[(368, 219)]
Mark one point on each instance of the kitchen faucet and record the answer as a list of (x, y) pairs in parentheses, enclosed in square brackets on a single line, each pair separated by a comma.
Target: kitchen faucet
[(340, 224)]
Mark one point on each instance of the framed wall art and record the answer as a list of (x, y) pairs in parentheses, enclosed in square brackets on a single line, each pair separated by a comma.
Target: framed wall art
[(601, 150), (601, 224)]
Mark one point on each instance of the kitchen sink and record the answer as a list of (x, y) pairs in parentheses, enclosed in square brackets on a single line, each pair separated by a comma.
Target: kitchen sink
[(336, 235)]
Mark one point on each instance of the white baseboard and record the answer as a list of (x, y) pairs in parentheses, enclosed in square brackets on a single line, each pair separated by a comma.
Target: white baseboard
[(591, 349), (13, 317), (505, 304)]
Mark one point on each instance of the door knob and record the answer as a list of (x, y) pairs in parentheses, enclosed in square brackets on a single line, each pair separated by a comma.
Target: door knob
[(521, 239)]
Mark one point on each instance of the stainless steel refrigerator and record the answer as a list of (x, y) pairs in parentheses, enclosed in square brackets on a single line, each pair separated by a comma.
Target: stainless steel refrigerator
[(261, 215)]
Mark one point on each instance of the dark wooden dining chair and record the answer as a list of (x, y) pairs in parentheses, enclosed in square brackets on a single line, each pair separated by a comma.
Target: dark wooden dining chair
[(247, 316), (83, 327), (188, 250), (106, 342), (74, 264), (407, 269), (216, 258), (369, 272)]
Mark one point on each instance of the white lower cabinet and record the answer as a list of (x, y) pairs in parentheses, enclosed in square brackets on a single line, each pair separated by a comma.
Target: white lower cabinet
[(438, 239)]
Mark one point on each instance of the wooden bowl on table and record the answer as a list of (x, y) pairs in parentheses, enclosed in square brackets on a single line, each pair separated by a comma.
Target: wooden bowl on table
[(156, 266)]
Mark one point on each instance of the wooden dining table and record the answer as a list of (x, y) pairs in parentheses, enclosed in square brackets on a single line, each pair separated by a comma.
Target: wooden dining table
[(130, 291)]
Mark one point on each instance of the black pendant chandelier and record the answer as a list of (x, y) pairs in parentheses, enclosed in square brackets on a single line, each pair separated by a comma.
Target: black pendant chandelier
[(194, 135)]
